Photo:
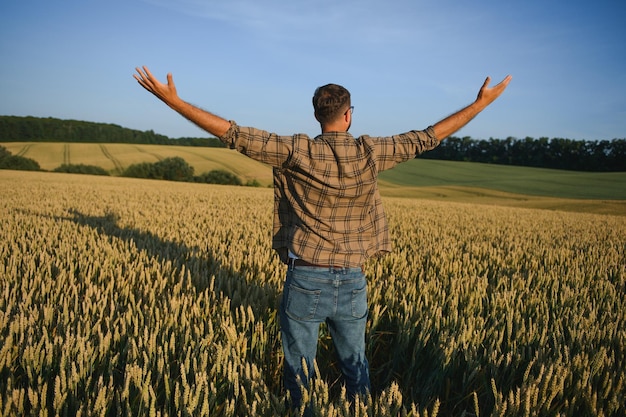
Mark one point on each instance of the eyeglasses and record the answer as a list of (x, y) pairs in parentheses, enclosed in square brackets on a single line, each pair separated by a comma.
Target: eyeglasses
[(350, 109)]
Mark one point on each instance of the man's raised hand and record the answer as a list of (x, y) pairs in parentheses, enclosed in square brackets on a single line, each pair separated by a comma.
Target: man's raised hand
[(487, 95), (164, 92)]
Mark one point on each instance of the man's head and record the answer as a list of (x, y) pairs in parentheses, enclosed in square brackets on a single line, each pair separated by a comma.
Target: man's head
[(331, 103)]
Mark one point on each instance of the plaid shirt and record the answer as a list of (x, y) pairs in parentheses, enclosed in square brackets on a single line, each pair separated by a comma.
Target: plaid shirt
[(327, 208)]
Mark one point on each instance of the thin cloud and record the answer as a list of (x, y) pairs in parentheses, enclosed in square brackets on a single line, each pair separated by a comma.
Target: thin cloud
[(357, 20)]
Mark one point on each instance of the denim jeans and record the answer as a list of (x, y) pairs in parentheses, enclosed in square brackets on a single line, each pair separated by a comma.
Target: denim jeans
[(338, 296)]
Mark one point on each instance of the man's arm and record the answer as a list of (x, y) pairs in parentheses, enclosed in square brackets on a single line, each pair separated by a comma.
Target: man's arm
[(456, 121), (213, 124)]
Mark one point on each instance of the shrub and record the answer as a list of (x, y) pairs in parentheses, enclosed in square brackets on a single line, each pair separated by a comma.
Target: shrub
[(219, 176), (142, 170), (4, 152), (10, 161), (172, 169), (81, 169)]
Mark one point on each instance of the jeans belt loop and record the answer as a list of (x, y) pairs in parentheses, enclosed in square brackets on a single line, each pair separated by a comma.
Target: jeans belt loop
[(292, 263)]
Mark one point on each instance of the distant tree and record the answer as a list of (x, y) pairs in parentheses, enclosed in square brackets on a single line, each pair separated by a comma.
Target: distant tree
[(219, 176), (49, 129), (172, 169), (616, 155), (253, 183), (142, 170), (81, 169), (199, 142), (4, 152), (10, 161), (19, 163)]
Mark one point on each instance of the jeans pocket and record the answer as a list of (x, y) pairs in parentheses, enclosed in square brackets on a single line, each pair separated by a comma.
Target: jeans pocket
[(359, 303), (302, 303)]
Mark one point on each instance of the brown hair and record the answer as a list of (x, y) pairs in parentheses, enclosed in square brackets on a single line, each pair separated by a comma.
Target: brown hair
[(329, 102)]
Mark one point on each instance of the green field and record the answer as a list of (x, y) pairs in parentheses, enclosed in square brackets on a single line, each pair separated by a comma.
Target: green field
[(592, 192), (421, 178), (511, 179)]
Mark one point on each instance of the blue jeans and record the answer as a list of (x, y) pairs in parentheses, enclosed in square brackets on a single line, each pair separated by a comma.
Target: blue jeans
[(338, 296)]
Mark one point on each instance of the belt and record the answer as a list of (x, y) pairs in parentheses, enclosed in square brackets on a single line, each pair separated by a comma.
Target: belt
[(302, 262)]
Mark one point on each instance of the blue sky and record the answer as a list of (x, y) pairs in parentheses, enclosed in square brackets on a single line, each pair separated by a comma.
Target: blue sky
[(407, 63)]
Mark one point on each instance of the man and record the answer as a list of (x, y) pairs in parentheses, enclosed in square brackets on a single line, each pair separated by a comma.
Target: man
[(328, 216)]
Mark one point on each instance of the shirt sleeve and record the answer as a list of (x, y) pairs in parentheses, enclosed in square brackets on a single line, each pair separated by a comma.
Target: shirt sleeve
[(259, 145), (396, 149)]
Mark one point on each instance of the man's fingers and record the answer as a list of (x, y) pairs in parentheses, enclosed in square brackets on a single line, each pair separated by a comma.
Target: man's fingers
[(506, 80), (144, 78), (147, 71), (140, 76), (140, 80), (144, 74), (502, 83)]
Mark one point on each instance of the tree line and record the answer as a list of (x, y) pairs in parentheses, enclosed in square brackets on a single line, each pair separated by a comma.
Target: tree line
[(556, 153), (49, 129)]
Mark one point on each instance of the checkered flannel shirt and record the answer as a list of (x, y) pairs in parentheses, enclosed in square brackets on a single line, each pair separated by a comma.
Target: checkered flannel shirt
[(327, 208)]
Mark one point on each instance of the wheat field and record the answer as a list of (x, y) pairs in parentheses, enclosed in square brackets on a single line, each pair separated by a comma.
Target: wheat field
[(116, 157), (126, 297)]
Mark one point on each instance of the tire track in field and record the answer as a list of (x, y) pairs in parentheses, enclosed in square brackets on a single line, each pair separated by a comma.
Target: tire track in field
[(118, 165), (215, 161), (24, 150), (156, 155), (66, 154)]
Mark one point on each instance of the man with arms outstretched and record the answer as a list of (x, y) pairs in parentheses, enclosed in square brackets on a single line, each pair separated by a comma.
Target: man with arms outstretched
[(328, 216)]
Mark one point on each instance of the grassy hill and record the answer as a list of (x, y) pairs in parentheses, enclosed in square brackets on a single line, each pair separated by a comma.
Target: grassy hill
[(420, 178), (508, 185), (519, 180)]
